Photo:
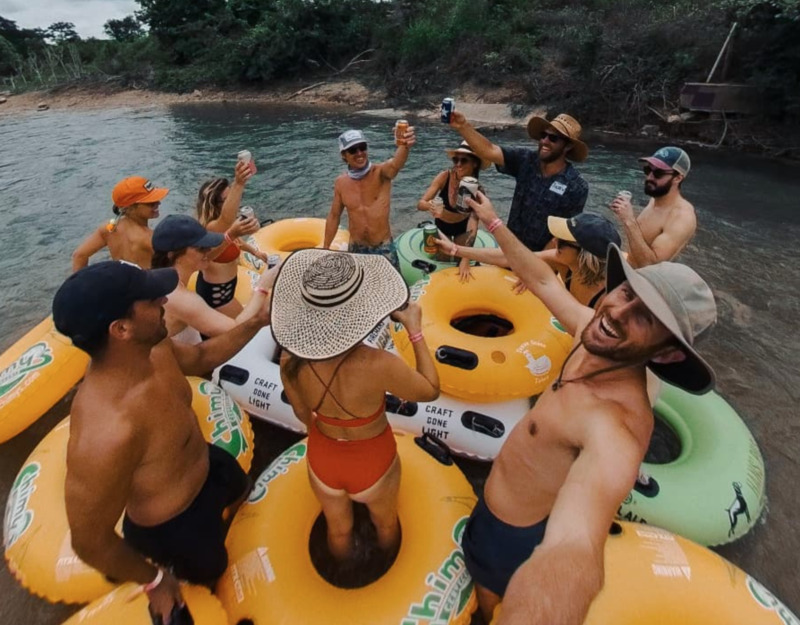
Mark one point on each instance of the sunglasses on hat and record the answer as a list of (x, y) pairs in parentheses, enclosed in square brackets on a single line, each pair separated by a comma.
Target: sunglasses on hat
[(358, 147), (657, 173)]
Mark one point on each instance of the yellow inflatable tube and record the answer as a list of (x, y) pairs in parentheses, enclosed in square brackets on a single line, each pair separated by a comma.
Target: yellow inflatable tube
[(272, 581), (127, 605), (655, 577), (287, 235), (482, 368), (36, 533), (35, 372)]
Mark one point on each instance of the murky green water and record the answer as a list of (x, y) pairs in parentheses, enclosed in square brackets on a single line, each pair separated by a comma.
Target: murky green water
[(57, 170)]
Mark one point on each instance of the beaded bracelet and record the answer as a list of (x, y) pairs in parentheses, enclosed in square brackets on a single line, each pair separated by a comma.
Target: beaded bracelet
[(494, 225), (416, 337), (454, 250)]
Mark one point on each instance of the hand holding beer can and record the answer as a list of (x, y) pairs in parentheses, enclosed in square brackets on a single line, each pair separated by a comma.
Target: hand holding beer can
[(429, 234), (400, 128), (467, 188), (625, 195), (448, 106), (246, 212), (246, 157)]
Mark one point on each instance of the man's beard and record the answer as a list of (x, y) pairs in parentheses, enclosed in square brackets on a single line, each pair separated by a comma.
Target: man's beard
[(554, 155), (656, 190), (632, 354)]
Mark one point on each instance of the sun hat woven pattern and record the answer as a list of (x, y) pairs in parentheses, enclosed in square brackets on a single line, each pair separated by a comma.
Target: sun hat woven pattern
[(325, 302)]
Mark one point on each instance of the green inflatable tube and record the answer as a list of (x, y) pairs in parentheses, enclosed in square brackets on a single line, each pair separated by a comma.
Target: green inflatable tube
[(409, 250), (714, 491)]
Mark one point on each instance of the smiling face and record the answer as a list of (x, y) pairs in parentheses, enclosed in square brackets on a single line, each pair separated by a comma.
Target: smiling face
[(552, 146), (144, 211), (624, 330), (464, 165), (356, 156)]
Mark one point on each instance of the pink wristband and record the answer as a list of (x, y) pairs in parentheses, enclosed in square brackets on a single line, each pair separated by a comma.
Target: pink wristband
[(494, 225), (416, 337), (261, 289), (156, 581), (228, 238), (454, 250)]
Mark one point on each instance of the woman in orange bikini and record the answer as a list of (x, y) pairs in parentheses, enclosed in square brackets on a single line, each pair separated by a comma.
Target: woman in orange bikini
[(325, 303), (218, 210)]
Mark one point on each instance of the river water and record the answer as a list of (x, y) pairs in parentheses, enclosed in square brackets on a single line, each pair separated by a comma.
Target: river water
[(57, 170)]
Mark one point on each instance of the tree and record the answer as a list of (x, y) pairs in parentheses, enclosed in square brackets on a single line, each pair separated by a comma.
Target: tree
[(62, 32), (126, 29)]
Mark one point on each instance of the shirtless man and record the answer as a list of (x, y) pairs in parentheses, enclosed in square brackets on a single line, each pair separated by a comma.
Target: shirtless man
[(127, 235), (568, 464), (135, 446), (667, 223), (365, 191)]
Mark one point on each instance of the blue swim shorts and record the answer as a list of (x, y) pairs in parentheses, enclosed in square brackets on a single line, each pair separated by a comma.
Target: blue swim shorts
[(387, 249)]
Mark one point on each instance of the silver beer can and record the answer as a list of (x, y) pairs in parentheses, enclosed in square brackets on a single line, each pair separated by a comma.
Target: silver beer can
[(273, 260), (467, 188), (246, 212)]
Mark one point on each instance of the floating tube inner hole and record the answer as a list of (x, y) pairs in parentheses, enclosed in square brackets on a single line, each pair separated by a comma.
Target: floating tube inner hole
[(483, 324), (665, 445), (368, 562), (299, 244)]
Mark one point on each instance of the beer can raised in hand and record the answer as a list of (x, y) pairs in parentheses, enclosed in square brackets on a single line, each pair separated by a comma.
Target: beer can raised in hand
[(467, 188), (245, 156), (429, 233), (400, 127), (246, 212), (627, 195), (448, 106)]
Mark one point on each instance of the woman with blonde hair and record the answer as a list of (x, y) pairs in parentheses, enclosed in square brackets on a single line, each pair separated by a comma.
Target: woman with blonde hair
[(325, 304)]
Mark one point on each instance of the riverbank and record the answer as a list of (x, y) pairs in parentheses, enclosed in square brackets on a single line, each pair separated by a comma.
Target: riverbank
[(487, 108)]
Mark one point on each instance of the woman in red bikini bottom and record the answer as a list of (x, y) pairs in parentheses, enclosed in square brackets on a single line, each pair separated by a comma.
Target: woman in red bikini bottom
[(324, 304)]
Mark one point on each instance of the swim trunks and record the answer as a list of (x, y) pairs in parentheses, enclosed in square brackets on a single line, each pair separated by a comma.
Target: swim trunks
[(192, 543), (494, 550), (215, 294), (387, 249)]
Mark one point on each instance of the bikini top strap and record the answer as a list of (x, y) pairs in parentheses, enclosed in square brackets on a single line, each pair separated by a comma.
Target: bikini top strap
[(328, 386)]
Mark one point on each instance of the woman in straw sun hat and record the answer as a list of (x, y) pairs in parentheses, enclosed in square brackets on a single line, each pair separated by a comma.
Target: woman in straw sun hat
[(324, 305), (441, 196)]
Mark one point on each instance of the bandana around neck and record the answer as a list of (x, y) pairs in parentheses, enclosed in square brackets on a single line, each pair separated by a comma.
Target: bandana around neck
[(358, 174)]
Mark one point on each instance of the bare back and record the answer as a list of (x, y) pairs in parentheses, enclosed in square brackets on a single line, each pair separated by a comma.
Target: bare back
[(367, 204), (148, 417), (131, 242), (534, 462)]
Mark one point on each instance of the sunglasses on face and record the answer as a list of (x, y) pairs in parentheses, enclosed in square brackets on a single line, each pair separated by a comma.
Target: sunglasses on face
[(552, 138), (355, 149), (461, 160), (658, 174)]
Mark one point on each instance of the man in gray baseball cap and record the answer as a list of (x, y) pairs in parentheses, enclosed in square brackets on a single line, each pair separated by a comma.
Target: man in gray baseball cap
[(668, 222), (536, 536)]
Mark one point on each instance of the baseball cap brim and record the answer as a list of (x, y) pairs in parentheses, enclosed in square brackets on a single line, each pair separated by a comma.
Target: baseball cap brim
[(693, 374), (559, 228), (656, 162), (353, 142), (210, 239), (157, 283)]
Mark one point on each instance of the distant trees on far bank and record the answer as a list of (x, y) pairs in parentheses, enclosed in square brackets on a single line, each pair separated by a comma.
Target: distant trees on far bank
[(609, 61)]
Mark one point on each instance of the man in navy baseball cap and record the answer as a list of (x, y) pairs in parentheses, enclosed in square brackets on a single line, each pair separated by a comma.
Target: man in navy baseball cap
[(668, 222)]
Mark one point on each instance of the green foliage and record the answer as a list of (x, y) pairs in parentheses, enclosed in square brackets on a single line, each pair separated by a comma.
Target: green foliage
[(126, 29), (62, 32), (9, 57)]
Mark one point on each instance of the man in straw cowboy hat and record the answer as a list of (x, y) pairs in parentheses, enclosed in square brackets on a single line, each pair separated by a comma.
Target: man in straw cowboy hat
[(668, 222), (365, 190), (135, 448), (325, 305), (547, 184), (536, 537)]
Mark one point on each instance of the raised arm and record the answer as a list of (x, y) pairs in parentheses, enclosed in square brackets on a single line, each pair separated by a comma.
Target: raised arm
[(537, 275), (557, 584), (96, 490), (392, 167), (479, 144), (334, 216), (230, 208), (425, 203), (422, 383), (90, 246)]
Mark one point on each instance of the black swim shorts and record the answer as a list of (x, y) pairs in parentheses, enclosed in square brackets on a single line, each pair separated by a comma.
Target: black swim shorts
[(452, 230), (192, 543), (493, 550)]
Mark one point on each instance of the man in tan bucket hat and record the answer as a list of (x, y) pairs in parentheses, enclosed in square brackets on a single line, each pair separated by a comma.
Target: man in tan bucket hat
[(536, 537), (547, 183)]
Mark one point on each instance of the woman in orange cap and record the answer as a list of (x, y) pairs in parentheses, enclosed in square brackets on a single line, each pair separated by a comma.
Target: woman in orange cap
[(127, 235)]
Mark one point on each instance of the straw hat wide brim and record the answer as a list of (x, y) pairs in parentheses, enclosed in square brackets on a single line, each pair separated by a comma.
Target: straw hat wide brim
[(693, 374), (579, 150), (317, 333), (485, 163)]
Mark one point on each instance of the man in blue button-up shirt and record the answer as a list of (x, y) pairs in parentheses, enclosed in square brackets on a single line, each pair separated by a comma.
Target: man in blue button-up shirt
[(547, 184)]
